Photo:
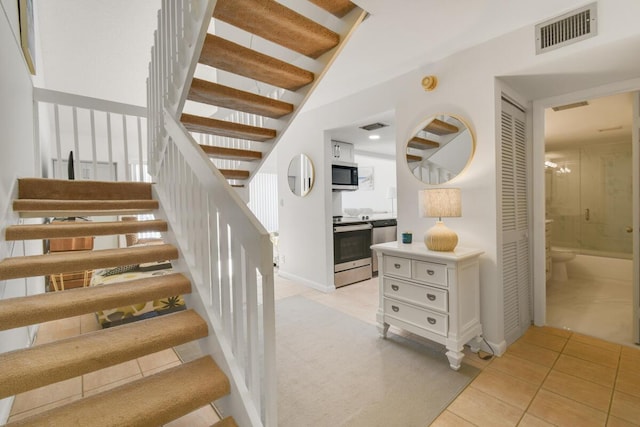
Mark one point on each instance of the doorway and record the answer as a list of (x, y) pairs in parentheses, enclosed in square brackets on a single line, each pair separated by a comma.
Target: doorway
[(588, 211)]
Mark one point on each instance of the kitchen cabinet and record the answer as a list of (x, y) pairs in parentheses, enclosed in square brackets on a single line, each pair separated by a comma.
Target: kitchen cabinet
[(435, 295), (342, 151)]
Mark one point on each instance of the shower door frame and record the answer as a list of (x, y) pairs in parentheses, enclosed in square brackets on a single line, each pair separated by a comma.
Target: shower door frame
[(539, 106)]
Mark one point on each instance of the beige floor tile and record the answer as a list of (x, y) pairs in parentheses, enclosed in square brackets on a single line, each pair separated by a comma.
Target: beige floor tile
[(39, 409), (550, 341), (156, 360), (473, 359), (629, 382), (160, 368), (203, 417), (592, 354), (596, 342), (109, 375), (89, 323), (530, 421), (533, 353), (584, 369), (46, 395), (111, 385), (520, 368), (563, 411), (482, 409), (552, 331), (626, 406), (583, 391), (449, 419), (619, 422), (57, 330), (506, 388)]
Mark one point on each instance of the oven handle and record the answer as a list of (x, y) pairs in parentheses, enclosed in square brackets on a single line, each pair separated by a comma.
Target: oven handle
[(356, 227)]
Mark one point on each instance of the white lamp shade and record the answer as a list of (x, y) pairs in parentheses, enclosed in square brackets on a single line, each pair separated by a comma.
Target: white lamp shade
[(442, 202)]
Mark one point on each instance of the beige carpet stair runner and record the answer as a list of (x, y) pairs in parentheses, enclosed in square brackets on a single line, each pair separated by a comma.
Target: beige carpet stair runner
[(153, 400), (272, 21)]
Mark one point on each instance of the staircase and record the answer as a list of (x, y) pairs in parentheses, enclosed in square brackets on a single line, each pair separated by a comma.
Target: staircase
[(247, 124), (153, 400)]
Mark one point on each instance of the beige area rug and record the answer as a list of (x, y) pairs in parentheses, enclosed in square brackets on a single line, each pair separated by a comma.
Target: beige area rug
[(335, 370)]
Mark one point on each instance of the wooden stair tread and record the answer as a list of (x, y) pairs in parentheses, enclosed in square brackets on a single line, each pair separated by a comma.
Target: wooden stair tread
[(234, 173), (60, 189), (35, 208), (438, 127), (62, 262), (224, 128), (226, 422), (65, 229), (56, 361), (234, 58), (231, 153), (422, 143), (279, 24), (338, 8), (29, 310), (153, 400), (234, 99), (412, 158)]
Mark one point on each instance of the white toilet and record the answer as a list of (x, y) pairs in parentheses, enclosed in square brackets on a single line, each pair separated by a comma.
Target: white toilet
[(559, 259)]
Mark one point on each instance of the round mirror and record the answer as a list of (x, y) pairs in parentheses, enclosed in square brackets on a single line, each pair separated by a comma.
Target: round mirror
[(300, 175), (441, 149)]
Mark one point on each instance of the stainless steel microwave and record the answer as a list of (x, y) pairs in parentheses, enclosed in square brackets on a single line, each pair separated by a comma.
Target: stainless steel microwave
[(344, 177)]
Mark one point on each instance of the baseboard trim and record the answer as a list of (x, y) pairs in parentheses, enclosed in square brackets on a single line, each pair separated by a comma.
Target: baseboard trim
[(309, 283)]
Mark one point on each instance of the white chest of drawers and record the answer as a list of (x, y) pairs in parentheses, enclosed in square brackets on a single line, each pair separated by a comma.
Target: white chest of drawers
[(435, 295)]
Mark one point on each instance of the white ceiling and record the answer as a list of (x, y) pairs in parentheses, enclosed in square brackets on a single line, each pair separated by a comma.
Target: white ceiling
[(101, 49)]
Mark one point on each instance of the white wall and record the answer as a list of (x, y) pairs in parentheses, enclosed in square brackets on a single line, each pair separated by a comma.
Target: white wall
[(468, 88), (16, 159), (384, 176)]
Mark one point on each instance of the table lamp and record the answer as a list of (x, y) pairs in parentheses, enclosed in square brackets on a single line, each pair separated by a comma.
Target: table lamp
[(439, 203)]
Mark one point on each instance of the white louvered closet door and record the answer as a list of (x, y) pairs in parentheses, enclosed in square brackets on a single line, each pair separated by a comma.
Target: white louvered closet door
[(516, 274), (636, 215)]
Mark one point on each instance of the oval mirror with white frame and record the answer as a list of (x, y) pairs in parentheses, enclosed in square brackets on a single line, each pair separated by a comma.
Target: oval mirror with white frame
[(300, 175), (441, 149)]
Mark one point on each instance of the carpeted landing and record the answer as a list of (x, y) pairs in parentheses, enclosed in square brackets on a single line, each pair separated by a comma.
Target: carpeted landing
[(335, 370)]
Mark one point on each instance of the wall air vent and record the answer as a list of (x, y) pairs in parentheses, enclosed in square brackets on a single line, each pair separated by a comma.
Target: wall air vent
[(572, 27), (570, 106), (373, 126)]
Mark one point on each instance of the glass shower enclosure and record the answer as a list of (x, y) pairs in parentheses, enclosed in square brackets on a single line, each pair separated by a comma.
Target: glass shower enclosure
[(589, 198)]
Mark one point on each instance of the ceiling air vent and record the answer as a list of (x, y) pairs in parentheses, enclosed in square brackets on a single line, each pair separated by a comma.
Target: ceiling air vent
[(373, 126), (572, 27)]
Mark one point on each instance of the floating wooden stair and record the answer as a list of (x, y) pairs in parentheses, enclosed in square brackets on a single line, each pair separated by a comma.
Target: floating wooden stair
[(271, 23), (225, 128), (223, 96), (154, 400), (231, 153), (234, 58), (438, 127), (412, 158), (422, 143)]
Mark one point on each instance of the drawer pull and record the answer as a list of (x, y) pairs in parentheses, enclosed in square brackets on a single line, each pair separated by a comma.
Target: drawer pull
[(431, 320), (431, 297), (395, 287), (396, 265), (395, 308), (431, 272)]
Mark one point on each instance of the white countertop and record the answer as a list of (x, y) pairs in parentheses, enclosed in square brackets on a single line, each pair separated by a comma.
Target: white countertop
[(419, 248)]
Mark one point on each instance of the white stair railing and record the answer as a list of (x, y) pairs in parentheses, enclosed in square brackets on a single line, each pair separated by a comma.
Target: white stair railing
[(225, 249), (108, 139)]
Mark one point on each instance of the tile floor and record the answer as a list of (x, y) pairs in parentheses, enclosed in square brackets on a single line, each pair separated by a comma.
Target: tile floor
[(548, 377), (601, 308), (48, 397)]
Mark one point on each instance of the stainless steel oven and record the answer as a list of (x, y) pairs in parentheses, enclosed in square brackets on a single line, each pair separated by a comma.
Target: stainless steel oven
[(351, 253)]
